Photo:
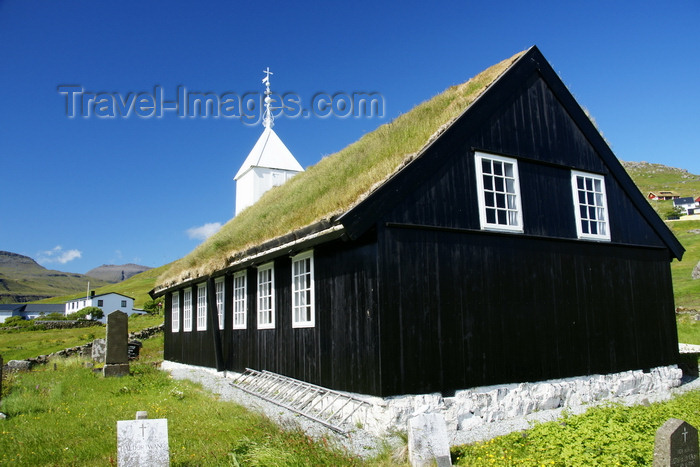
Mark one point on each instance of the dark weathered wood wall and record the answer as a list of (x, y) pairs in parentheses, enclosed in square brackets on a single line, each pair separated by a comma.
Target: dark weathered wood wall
[(464, 309), (341, 351)]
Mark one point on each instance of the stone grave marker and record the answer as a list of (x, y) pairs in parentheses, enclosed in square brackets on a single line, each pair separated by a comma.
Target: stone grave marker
[(676, 444), (143, 442), (428, 444), (99, 347), (116, 356)]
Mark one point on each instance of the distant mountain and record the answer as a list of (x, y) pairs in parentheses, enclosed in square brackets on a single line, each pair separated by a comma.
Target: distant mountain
[(115, 272), (24, 280)]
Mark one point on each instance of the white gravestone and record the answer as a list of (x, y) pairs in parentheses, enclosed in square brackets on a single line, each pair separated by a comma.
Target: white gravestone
[(428, 444), (143, 443)]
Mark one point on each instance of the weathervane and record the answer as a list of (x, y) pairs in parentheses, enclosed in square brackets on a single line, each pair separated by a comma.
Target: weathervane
[(267, 116)]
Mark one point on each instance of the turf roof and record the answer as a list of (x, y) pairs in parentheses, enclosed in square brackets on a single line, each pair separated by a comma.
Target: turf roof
[(336, 183)]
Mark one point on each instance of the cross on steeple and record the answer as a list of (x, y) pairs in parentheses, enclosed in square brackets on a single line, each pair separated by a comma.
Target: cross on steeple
[(267, 116)]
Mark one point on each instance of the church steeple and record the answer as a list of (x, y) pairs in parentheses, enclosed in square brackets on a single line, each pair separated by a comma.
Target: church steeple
[(268, 164)]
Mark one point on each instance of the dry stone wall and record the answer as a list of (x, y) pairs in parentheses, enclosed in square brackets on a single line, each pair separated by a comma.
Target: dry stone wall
[(82, 350)]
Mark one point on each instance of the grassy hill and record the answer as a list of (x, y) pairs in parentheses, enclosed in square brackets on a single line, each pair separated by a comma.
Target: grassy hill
[(22, 280), (655, 177)]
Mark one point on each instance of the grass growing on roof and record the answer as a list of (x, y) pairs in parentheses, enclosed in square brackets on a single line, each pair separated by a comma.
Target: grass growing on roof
[(337, 182)]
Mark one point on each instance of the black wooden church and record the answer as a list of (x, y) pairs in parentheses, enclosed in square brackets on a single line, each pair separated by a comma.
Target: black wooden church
[(512, 246)]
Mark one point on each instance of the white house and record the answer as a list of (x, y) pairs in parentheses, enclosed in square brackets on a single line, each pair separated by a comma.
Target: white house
[(688, 204), (9, 310), (268, 164), (28, 310), (108, 302)]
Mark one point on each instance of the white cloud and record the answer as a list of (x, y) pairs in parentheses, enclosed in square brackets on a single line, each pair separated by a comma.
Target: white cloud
[(203, 231), (58, 255)]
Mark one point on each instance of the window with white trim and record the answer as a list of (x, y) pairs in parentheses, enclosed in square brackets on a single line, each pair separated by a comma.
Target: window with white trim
[(175, 312), (187, 309), (498, 192), (240, 308), (219, 285), (303, 315), (590, 206), (266, 296), (202, 307)]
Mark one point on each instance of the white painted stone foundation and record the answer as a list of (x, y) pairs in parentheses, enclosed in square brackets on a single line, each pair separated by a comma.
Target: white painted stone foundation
[(476, 407)]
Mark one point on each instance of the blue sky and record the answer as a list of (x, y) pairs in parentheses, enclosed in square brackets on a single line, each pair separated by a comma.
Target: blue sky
[(84, 191)]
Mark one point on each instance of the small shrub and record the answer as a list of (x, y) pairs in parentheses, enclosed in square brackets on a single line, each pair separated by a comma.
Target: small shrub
[(92, 311), (16, 321), (154, 307)]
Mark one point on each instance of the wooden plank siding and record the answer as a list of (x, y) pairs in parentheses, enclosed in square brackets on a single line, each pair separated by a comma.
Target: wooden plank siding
[(341, 351), (465, 309), (461, 307)]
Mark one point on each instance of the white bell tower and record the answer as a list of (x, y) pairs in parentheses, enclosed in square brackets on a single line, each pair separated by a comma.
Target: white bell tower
[(269, 163)]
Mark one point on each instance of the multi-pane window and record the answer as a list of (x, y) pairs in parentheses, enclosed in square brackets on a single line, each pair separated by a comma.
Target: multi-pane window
[(498, 192), (187, 310), (202, 307), (303, 290), (175, 312), (219, 284), (266, 297), (590, 205), (240, 310)]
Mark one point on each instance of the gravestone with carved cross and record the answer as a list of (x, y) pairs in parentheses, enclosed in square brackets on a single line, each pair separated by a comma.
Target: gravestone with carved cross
[(676, 444), (142, 442)]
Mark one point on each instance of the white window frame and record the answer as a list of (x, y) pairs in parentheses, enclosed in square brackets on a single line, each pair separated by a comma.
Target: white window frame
[(220, 287), (187, 310), (202, 306), (266, 297), (596, 205), (240, 300), (508, 194), (175, 312), (303, 301)]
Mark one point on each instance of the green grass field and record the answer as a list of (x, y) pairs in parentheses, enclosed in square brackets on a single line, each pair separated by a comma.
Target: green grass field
[(603, 436), (30, 344), (68, 416)]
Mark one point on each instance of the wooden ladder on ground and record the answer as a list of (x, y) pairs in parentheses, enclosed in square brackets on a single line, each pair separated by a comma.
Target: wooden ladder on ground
[(326, 406)]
